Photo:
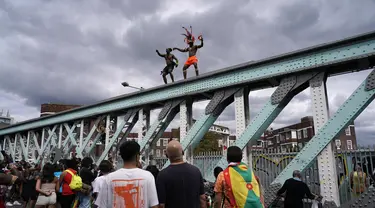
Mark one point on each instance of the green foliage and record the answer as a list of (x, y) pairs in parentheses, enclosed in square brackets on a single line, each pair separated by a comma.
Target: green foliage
[(209, 143)]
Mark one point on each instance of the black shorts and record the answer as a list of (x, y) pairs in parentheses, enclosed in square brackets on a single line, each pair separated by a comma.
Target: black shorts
[(168, 69), (28, 190)]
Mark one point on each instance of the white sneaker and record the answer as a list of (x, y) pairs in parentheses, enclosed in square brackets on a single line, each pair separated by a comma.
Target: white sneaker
[(17, 203), (9, 204)]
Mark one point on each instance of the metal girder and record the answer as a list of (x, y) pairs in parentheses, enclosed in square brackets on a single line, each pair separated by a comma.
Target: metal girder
[(347, 112), (326, 160), (366, 200), (242, 118), (70, 135), (288, 88), (88, 137), (130, 115), (349, 50), (165, 117), (126, 133), (215, 107), (51, 134), (186, 121), (10, 146)]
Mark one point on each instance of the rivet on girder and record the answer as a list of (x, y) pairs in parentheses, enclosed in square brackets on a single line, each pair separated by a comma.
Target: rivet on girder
[(370, 81)]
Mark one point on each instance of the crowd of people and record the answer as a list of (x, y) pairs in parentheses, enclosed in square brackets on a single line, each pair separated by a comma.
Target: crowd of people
[(51, 185), (80, 184)]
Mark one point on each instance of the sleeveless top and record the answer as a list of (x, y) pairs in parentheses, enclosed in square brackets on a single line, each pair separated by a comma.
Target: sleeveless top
[(48, 187)]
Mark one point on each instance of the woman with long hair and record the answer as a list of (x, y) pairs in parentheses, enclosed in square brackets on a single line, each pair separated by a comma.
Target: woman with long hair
[(47, 185)]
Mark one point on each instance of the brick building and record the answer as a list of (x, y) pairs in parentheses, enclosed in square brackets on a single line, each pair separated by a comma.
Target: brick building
[(298, 135), (50, 109)]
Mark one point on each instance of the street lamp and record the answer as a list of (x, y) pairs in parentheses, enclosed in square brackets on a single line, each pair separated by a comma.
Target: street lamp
[(125, 84)]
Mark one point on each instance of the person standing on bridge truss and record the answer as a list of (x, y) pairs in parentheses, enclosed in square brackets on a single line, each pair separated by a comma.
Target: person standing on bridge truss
[(170, 64), (192, 49)]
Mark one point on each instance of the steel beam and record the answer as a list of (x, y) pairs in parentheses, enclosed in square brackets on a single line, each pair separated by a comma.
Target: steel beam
[(89, 136), (165, 117), (366, 200), (326, 160), (288, 88), (348, 112), (186, 121), (51, 136), (242, 117), (215, 107), (156, 130), (256, 73), (130, 115)]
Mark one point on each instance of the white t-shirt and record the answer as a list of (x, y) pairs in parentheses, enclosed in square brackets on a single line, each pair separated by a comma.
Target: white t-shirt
[(98, 183), (128, 188)]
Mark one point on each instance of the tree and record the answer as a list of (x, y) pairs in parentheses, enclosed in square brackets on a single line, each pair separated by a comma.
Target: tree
[(209, 143)]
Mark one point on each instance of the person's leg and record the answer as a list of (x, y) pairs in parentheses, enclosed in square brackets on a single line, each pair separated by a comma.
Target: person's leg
[(196, 69), (67, 201), (165, 78), (184, 70), (30, 203), (164, 73), (84, 201), (170, 71), (172, 78)]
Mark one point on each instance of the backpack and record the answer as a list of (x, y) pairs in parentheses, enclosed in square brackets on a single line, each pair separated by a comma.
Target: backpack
[(76, 182)]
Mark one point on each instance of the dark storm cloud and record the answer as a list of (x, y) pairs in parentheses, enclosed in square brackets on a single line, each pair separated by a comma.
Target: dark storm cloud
[(132, 9)]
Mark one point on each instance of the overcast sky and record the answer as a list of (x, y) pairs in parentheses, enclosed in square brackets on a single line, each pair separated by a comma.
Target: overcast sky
[(78, 52)]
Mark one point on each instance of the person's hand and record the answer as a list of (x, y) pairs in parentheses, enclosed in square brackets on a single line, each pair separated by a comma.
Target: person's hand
[(200, 37), (48, 193), (318, 198)]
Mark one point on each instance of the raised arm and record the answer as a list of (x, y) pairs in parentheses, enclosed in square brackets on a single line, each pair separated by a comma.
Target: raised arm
[(161, 55), (181, 50), (201, 45)]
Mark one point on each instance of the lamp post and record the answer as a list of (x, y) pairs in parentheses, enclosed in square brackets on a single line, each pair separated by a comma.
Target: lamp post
[(125, 84)]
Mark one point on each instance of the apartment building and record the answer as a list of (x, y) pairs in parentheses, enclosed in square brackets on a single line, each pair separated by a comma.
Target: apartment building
[(298, 135)]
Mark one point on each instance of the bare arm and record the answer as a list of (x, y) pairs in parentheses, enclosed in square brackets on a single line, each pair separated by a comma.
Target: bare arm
[(161, 55), (202, 199), (181, 50), (218, 199), (201, 45), (37, 188), (57, 185)]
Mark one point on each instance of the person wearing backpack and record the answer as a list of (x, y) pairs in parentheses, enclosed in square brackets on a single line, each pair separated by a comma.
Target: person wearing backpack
[(71, 182), (87, 178)]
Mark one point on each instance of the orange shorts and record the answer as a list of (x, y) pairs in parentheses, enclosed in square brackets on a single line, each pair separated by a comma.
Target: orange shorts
[(191, 60)]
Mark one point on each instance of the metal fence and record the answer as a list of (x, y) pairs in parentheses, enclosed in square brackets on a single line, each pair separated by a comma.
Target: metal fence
[(268, 164)]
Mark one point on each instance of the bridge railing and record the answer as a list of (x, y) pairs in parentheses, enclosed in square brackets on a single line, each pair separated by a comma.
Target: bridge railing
[(268, 164)]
